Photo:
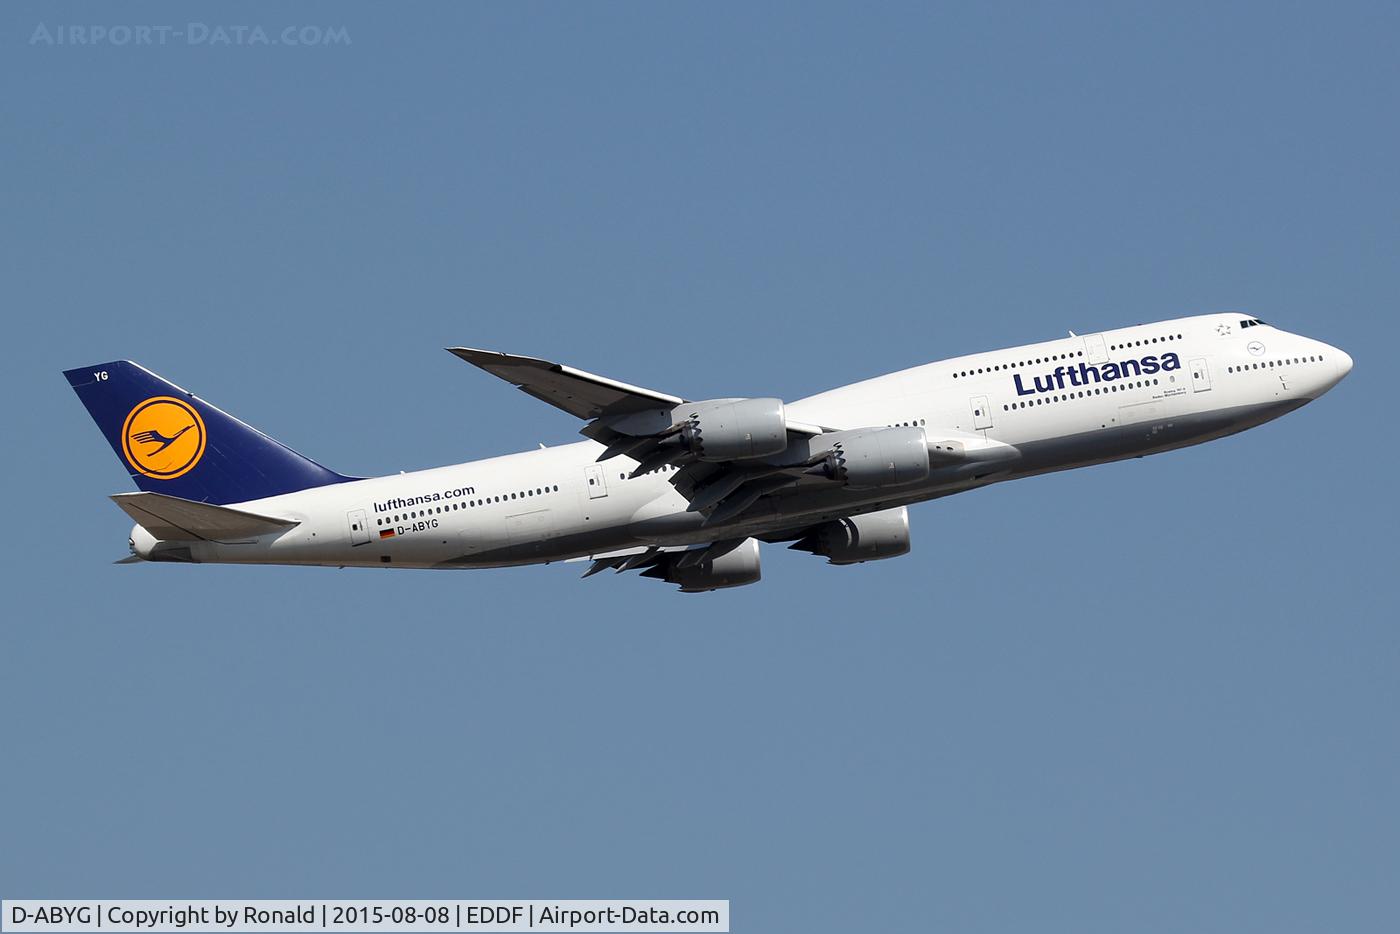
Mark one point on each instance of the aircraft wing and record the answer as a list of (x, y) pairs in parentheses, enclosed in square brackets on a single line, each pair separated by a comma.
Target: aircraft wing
[(625, 559), (581, 394), (646, 425), (657, 560), (170, 518), (578, 392)]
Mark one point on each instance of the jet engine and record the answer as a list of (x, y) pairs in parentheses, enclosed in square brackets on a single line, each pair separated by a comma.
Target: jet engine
[(871, 537), (734, 429), (876, 457), (734, 568)]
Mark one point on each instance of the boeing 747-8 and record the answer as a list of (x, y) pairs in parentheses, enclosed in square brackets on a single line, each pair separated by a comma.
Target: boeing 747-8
[(685, 491)]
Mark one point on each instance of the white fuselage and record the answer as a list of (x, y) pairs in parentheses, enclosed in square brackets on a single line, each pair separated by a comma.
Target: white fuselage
[(1015, 412)]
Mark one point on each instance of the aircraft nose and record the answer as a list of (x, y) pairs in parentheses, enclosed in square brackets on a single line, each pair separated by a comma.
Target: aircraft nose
[(1336, 365), (1342, 361)]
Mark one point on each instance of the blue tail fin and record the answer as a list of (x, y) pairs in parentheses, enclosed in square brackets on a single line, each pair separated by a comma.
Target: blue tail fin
[(174, 443)]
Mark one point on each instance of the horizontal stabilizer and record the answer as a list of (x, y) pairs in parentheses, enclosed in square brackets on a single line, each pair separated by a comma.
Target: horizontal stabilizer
[(170, 518)]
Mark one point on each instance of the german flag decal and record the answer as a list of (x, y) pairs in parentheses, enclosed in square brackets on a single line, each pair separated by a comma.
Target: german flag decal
[(387, 533)]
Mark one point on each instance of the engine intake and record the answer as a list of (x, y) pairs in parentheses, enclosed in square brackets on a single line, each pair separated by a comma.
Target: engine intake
[(871, 537), (735, 429), (877, 457)]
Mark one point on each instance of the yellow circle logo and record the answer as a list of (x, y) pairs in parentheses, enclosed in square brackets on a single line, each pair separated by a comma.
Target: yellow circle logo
[(163, 437)]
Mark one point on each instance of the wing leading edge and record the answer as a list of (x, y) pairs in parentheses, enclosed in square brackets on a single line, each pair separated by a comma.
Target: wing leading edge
[(581, 394)]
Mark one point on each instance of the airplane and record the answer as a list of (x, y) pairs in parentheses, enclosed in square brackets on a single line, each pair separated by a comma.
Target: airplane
[(684, 491)]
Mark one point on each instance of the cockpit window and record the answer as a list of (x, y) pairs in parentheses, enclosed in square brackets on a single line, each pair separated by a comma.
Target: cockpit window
[(1250, 322)]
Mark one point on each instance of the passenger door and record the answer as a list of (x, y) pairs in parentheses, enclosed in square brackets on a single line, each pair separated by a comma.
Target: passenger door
[(359, 527), (1200, 375), (981, 412), (1094, 350), (597, 485)]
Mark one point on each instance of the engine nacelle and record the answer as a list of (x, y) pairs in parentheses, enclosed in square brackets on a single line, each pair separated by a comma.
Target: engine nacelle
[(734, 429), (734, 568), (877, 457), (871, 537)]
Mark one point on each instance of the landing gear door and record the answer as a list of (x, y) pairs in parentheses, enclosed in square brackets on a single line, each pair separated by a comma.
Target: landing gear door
[(597, 485), (359, 527), (981, 412), (1200, 375)]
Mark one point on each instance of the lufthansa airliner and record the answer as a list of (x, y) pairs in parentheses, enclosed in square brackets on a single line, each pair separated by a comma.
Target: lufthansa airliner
[(685, 491)]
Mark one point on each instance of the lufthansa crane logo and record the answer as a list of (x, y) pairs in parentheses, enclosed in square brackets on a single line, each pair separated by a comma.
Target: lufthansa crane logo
[(163, 437)]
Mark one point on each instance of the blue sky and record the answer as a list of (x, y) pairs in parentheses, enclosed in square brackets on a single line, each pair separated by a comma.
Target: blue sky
[(1156, 696)]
